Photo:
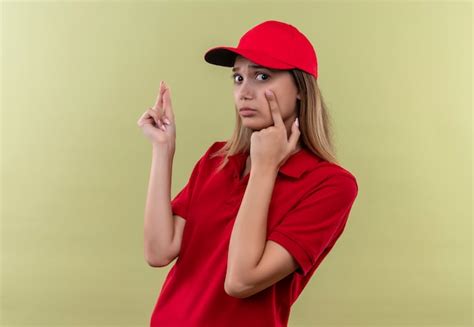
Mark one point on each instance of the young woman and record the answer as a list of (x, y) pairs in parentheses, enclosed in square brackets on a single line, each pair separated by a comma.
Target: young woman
[(260, 210)]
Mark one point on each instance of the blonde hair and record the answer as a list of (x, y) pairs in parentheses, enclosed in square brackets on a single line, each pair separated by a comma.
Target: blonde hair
[(314, 124)]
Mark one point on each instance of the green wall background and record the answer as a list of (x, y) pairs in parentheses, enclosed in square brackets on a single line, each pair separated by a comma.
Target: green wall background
[(397, 77)]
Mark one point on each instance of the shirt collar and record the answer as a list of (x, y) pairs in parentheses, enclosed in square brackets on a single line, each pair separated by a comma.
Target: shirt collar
[(295, 166)]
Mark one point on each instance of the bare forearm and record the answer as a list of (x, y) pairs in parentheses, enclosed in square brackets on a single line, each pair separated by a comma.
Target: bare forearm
[(248, 238), (159, 225)]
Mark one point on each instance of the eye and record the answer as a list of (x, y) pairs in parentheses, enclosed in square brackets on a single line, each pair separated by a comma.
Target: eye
[(233, 76), (264, 75)]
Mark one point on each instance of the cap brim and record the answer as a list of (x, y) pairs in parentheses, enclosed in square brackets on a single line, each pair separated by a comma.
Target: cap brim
[(225, 56), (221, 56)]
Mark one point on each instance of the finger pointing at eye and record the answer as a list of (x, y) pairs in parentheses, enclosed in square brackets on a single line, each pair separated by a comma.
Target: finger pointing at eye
[(274, 108)]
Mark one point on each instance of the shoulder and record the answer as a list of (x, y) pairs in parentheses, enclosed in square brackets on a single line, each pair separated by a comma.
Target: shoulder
[(334, 171), (213, 147), (207, 160), (323, 174), (216, 145)]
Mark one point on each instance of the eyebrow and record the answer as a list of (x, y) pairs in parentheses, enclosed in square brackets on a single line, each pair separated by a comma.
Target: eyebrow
[(252, 66)]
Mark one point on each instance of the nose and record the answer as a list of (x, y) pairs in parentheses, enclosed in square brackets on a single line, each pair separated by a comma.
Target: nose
[(245, 91)]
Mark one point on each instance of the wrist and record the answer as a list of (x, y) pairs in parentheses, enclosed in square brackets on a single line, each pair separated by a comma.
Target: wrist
[(163, 149), (269, 171)]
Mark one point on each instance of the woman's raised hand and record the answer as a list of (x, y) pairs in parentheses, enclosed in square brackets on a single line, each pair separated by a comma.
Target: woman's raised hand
[(157, 122)]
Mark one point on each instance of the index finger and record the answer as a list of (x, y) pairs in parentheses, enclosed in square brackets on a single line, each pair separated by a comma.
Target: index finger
[(274, 108)]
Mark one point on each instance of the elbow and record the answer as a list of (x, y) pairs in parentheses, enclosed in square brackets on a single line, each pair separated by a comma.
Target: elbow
[(154, 257), (155, 262), (234, 290), (231, 291)]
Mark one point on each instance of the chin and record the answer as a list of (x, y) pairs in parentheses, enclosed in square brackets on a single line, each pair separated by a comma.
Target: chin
[(254, 125)]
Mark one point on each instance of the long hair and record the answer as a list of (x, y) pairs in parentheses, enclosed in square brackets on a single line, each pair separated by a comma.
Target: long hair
[(314, 124)]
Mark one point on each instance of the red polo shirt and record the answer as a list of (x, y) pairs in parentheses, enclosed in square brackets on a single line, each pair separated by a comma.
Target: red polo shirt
[(310, 204)]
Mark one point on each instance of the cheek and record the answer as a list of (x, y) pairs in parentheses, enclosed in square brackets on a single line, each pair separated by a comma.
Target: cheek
[(285, 107)]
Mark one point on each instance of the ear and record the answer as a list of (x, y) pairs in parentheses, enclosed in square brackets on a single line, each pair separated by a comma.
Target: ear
[(298, 96)]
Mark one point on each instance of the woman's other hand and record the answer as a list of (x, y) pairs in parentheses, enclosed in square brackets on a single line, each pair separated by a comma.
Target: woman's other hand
[(157, 122)]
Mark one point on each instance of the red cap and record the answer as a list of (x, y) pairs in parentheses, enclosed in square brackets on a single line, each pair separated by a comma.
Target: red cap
[(271, 44)]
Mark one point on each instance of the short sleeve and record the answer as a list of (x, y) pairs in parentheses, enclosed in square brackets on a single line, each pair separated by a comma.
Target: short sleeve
[(316, 221), (181, 202)]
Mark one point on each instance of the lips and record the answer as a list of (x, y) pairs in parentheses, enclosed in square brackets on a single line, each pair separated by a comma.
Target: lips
[(247, 108)]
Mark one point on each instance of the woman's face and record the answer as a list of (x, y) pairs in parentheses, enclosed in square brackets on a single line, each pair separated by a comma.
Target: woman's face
[(250, 84)]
